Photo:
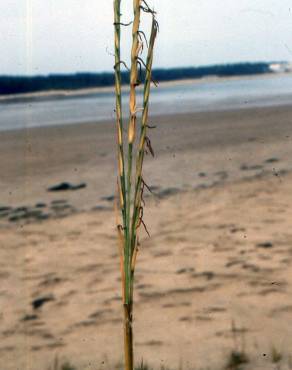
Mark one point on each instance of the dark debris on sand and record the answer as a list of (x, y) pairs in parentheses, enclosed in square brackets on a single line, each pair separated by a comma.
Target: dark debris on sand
[(65, 186), (36, 213)]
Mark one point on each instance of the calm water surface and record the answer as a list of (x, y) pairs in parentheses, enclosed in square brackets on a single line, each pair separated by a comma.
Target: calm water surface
[(178, 98)]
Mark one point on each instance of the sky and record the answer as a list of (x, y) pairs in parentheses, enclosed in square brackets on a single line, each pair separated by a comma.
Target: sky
[(65, 36)]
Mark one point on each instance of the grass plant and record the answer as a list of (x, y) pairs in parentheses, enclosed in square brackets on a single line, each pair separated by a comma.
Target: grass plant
[(237, 356), (131, 184), (276, 355)]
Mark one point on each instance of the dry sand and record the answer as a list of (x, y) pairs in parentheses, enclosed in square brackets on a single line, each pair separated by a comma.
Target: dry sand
[(220, 249)]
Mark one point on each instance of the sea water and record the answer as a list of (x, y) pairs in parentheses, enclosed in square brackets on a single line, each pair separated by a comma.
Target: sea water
[(170, 98)]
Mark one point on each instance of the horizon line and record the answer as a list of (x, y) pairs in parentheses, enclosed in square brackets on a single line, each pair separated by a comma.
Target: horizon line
[(154, 69)]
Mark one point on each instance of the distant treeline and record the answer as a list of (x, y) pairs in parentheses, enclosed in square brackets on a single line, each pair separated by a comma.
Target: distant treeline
[(21, 84)]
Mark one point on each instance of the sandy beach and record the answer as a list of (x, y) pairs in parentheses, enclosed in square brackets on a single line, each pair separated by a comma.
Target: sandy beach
[(215, 276)]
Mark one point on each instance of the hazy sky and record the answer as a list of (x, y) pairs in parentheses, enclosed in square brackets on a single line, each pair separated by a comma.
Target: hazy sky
[(49, 36)]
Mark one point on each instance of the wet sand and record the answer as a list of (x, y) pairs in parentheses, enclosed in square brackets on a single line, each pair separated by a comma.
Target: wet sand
[(220, 250)]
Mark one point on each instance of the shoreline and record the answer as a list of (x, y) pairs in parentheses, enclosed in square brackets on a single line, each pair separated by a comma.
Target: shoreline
[(156, 117), (67, 94)]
